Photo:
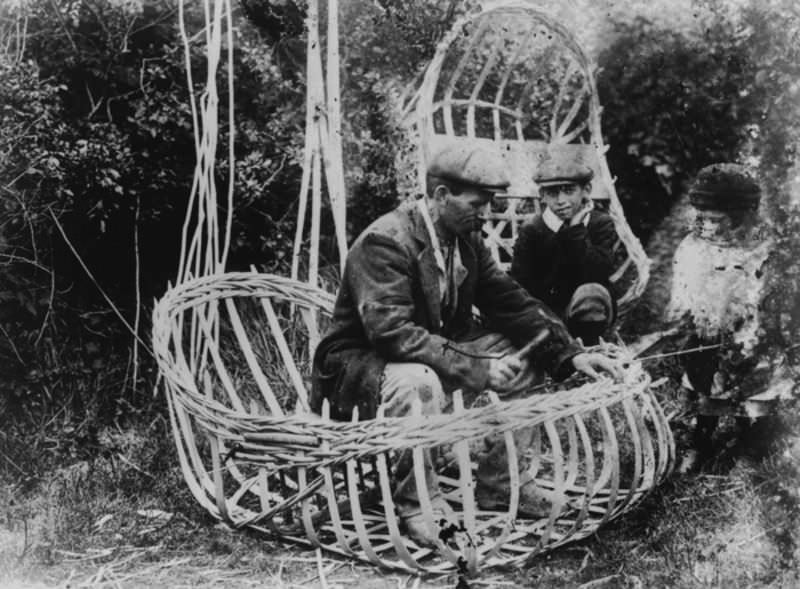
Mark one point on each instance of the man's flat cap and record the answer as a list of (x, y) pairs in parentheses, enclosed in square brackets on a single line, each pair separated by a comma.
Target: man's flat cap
[(724, 187), (562, 165), (470, 163)]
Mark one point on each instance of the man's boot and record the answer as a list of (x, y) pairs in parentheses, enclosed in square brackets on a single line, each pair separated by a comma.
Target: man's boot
[(534, 501), (407, 504), (701, 449), (416, 524), (493, 490)]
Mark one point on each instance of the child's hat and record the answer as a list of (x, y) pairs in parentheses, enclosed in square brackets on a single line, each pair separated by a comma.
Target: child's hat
[(725, 187)]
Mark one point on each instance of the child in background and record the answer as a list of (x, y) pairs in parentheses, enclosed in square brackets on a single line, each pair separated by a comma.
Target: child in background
[(718, 285)]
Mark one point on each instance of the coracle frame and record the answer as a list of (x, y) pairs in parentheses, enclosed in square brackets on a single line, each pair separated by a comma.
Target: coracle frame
[(233, 351), (256, 461)]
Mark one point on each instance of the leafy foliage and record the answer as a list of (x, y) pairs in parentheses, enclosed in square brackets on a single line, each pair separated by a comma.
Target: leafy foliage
[(385, 47), (677, 100), (673, 103), (96, 131), (97, 138)]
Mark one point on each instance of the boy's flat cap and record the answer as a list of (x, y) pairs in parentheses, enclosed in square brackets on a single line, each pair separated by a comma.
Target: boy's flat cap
[(562, 166)]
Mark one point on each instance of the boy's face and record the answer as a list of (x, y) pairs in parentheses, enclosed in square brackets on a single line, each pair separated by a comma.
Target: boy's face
[(711, 224), (707, 223), (565, 200)]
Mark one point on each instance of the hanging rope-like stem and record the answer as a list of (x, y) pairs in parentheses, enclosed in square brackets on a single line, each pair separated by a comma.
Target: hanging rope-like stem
[(203, 249), (680, 352), (323, 147), (231, 137), (193, 194)]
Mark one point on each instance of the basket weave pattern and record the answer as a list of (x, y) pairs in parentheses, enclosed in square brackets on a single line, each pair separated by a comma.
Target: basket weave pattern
[(253, 456)]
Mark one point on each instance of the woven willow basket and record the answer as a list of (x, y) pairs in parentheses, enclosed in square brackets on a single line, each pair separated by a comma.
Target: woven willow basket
[(515, 77), (232, 352)]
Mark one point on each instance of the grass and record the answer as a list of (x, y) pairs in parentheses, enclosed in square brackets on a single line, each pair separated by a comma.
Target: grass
[(90, 505), (96, 505), (118, 514)]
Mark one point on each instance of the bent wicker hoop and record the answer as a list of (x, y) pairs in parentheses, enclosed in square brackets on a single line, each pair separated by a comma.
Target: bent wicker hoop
[(234, 355), (515, 77)]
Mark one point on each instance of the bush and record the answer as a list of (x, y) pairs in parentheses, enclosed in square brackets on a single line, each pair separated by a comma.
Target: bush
[(97, 134), (677, 100)]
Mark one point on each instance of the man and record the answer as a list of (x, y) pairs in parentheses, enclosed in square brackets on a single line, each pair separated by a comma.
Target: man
[(403, 328), (564, 256)]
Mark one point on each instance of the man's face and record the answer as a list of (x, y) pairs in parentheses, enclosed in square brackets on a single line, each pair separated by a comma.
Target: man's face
[(565, 199), (462, 214)]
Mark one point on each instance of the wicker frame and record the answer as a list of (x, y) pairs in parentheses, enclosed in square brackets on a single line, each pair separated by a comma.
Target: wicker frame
[(251, 462), (488, 94)]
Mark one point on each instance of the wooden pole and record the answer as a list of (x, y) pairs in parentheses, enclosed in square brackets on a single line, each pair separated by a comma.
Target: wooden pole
[(335, 167), (312, 137)]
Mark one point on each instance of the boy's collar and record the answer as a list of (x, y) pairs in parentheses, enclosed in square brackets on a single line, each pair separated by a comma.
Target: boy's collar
[(552, 221)]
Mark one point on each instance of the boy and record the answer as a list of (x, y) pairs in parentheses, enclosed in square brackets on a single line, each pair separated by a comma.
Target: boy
[(564, 256)]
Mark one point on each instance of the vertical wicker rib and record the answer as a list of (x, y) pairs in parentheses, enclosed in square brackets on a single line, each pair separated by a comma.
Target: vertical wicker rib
[(513, 76)]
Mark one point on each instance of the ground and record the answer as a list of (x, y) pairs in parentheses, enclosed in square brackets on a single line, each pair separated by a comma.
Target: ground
[(124, 518)]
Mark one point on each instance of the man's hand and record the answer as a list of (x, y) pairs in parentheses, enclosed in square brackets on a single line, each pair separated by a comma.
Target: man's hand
[(502, 372), (592, 363)]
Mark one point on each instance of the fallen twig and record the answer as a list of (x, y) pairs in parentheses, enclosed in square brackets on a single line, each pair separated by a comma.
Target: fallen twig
[(321, 572), (598, 582), (13, 347), (133, 466), (759, 535)]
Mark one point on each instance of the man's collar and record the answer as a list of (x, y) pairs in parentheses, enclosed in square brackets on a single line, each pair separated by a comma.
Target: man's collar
[(424, 212), (420, 231)]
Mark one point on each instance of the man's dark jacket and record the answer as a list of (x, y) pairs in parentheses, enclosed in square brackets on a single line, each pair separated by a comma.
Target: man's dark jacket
[(552, 264), (389, 310)]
